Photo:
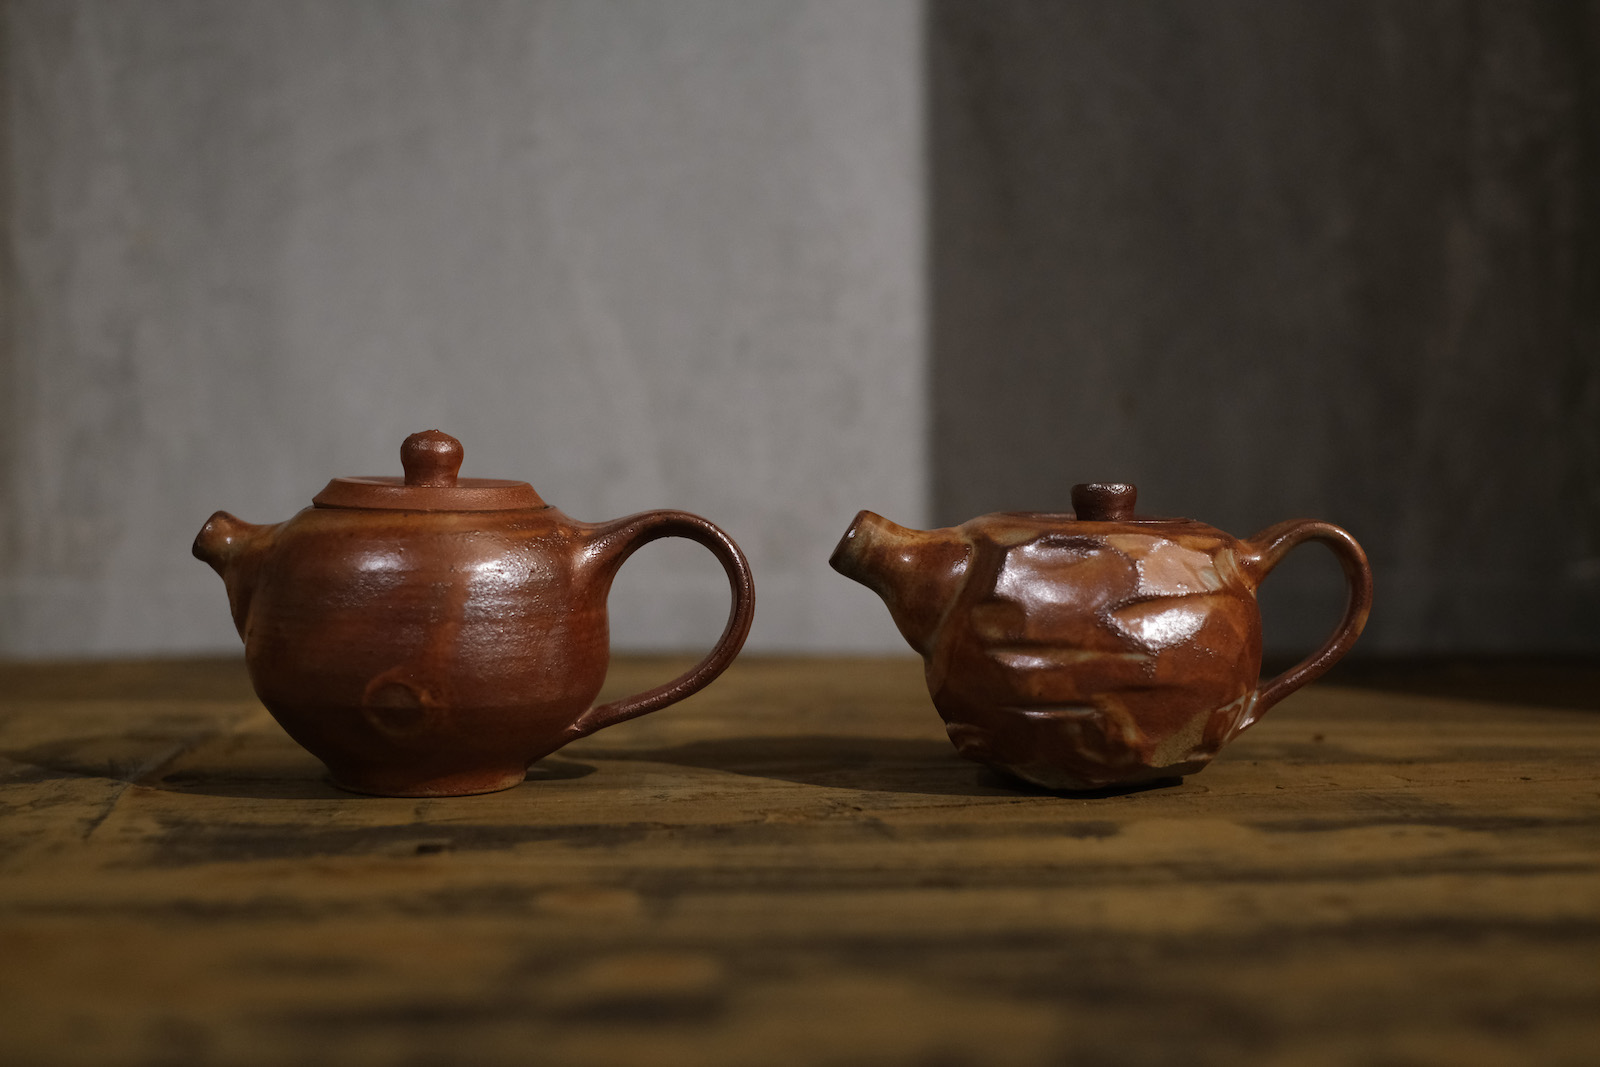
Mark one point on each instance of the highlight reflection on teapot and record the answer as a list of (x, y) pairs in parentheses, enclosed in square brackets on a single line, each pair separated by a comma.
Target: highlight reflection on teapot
[(1098, 648), (435, 635)]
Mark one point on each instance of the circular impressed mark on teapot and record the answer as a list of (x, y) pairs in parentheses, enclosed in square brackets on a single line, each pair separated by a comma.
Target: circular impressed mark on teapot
[(396, 704)]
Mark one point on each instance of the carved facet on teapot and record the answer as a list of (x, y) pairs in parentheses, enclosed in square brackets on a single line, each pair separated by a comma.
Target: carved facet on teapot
[(1101, 648), (434, 635)]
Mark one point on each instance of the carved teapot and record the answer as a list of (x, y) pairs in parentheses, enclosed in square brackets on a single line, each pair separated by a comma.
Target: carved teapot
[(434, 635), (1093, 649)]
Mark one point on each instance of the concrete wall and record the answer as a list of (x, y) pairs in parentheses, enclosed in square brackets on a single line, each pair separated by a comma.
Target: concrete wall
[(1270, 259), (639, 254), (1263, 258)]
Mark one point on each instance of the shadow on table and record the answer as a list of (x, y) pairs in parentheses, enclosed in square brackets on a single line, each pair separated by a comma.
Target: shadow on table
[(876, 764), (300, 782), (278, 772)]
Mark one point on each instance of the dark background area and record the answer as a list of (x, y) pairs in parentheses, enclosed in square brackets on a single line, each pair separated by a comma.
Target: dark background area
[(1271, 259)]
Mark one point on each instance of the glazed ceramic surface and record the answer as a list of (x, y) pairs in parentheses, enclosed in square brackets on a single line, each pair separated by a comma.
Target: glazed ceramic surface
[(1100, 648), (434, 635)]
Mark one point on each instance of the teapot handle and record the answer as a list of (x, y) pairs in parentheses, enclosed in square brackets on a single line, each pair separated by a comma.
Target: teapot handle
[(1261, 553), (629, 535)]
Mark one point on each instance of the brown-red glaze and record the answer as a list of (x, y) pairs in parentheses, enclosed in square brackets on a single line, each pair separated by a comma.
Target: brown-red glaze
[(1079, 651), (433, 636)]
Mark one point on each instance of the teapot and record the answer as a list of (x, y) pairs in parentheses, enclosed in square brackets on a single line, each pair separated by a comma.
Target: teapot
[(434, 635), (1094, 649)]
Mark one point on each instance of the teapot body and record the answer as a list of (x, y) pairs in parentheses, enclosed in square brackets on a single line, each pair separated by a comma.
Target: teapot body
[(1080, 659), (1097, 648), (434, 635), (424, 653)]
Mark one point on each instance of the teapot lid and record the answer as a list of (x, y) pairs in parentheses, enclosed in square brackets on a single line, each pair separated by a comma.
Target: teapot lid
[(431, 460)]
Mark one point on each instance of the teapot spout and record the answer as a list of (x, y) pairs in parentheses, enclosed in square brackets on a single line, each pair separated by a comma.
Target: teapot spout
[(916, 572), (230, 546), (222, 539)]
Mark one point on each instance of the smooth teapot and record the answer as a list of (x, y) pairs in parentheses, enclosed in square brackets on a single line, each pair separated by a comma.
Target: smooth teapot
[(1093, 649), (433, 635)]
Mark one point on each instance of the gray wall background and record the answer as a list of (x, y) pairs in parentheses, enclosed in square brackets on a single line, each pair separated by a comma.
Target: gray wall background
[(775, 260), (640, 254)]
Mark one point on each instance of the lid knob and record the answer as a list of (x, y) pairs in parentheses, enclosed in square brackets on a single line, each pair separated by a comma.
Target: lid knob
[(1104, 501), (431, 457)]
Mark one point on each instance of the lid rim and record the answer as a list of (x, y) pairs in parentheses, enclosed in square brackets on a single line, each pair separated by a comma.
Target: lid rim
[(392, 494), (325, 506)]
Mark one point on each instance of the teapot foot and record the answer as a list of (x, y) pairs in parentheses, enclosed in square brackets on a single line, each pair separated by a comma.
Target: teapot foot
[(389, 784)]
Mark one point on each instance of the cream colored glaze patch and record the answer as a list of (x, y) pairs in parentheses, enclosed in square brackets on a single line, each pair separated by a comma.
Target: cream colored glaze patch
[(1166, 568), (1059, 711), (1158, 624), (1238, 714), (1029, 658)]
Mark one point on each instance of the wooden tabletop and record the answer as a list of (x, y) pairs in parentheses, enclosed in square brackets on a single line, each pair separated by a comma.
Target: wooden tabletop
[(793, 867)]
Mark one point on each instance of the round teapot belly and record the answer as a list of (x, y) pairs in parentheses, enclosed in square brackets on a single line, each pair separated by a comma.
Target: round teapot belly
[(421, 671), (389, 748), (424, 724), (430, 707)]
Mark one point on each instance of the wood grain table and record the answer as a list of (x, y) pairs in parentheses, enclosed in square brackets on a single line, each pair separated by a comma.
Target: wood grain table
[(793, 868)]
